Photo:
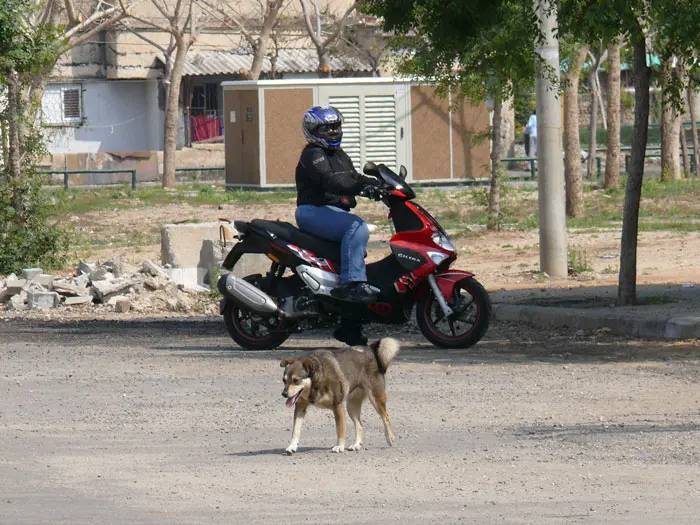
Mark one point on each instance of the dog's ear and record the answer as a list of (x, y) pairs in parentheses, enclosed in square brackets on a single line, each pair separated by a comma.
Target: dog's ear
[(286, 362), (309, 365)]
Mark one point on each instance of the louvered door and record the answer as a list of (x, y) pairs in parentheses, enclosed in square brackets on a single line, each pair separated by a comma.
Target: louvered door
[(375, 122)]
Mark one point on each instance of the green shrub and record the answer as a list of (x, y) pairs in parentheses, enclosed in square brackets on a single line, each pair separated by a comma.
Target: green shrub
[(27, 239)]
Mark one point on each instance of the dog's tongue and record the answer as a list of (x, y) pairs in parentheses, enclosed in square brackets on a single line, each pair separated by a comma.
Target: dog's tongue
[(290, 401)]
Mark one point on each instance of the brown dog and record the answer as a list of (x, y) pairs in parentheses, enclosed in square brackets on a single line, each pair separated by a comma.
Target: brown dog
[(327, 379)]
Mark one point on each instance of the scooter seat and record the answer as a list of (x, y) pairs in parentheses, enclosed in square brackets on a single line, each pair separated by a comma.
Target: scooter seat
[(288, 232)]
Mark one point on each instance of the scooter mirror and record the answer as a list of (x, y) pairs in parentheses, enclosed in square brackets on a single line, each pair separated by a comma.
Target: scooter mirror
[(371, 169), (403, 172)]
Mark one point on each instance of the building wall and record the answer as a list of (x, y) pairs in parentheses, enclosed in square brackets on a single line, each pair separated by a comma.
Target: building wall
[(284, 138), (117, 116), (440, 153)]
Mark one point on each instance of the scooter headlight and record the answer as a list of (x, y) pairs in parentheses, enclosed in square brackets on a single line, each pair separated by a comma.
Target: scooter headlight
[(443, 242), (437, 257)]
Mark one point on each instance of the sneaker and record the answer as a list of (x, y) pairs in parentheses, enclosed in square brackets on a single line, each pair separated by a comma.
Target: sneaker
[(355, 291), (350, 334)]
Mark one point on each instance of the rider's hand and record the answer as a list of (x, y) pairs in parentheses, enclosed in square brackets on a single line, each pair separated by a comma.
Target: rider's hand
[(373, 192)]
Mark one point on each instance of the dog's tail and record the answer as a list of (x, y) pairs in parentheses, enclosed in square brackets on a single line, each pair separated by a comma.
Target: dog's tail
[(384, 351)]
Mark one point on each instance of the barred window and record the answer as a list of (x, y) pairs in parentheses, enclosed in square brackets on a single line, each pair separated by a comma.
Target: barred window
[(62, 105)]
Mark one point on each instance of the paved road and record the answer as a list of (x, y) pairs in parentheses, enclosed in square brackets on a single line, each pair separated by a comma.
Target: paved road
[(163, 423)]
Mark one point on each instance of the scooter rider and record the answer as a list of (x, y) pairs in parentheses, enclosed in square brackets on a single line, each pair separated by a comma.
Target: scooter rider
[(327, 184)]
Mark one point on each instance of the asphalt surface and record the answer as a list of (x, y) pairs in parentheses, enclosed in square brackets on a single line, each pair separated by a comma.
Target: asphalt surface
[(167, 423)]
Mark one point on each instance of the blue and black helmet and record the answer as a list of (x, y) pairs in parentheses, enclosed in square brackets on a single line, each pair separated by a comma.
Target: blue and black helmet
[(323, 125)]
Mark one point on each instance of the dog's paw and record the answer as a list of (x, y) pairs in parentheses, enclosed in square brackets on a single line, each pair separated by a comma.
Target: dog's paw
[(290, 450), (355, 447), (338, 448)]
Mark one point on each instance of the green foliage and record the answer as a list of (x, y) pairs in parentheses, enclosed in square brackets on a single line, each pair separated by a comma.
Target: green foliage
[(27, 238), (578, 262), (472, 49), (24, 47)]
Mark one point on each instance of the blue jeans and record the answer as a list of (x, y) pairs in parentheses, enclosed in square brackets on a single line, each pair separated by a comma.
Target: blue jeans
[(335, 224)]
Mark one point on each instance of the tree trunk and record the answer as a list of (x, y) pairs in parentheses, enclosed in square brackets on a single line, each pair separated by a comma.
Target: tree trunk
[(612, 159), (508, 127), (493, 221), (686, 156), (572, 145), (4, 136), (13, 124), (670, 165), (592, 136), (627, 285), (172, 112), (324, 63), (694, 126)]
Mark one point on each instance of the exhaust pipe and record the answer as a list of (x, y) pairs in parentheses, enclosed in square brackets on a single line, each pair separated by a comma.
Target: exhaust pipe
[(245, 295)]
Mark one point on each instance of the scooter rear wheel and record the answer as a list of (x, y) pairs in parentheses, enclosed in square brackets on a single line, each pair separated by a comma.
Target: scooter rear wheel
[(472, 311), (251, 331)]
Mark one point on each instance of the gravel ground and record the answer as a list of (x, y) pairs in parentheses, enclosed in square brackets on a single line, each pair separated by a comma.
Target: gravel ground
[(164, 423)]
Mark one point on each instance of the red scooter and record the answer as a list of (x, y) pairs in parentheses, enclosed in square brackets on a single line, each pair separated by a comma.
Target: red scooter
[(261, 311)]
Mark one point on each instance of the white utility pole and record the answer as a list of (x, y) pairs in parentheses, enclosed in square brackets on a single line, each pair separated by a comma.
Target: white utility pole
[(550, 165)]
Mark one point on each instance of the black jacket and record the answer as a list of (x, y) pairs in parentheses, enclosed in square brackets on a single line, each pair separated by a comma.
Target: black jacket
[(328, 177)]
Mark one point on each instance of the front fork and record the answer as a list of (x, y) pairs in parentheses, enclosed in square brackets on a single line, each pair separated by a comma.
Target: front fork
[(438, 295)]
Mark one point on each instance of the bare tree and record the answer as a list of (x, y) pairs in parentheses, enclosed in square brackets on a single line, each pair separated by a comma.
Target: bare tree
[(323, 43), (183, 28), (497, 168), (368, 42), (670, 125), (594, 85), (25, 88), (693, 124), (257, 30), (612, 159), (572, 145)]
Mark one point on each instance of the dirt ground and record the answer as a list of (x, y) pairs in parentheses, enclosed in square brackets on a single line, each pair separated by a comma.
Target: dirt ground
[(162, 423), (506, 259)]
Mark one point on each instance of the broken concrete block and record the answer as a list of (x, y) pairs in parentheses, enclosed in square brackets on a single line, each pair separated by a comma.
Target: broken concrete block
[(104, 290), (86, 267), (15, 286), (81, 280), (114, 265), (154, 284), (122, 305), (4, 294), (30, 273), (181, 244), (152, 269), (17, 302), (43, 279), (78, 299), (101, 274), (68, 288), (42, 300)]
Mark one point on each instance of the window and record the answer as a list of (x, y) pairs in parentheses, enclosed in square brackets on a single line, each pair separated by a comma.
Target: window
[(62, 105)]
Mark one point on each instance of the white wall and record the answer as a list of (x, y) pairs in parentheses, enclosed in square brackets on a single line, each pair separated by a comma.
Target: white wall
[(117, 116)]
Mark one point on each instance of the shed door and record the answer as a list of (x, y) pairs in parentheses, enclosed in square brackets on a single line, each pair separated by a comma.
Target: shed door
[(375, 122)]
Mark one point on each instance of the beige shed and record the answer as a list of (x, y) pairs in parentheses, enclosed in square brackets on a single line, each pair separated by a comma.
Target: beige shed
[(397, 122)]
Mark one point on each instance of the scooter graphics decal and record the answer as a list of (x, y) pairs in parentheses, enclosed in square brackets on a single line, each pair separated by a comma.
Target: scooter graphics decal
[(405, 283), (311, 258), (383, 309)]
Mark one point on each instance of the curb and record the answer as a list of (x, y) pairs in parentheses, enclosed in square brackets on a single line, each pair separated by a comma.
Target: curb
[(587, 319)]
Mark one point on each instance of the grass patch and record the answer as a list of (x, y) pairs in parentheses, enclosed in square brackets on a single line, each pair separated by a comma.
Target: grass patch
[(76, 201)]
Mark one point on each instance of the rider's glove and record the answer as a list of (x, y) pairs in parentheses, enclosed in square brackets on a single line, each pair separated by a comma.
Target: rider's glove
[(373, 192)]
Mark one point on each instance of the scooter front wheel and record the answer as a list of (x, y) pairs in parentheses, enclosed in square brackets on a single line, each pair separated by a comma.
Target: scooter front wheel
[(251, 331), (471, 307)]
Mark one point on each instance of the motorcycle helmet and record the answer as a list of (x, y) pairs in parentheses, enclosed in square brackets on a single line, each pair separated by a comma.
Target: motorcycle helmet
[(323, 125)]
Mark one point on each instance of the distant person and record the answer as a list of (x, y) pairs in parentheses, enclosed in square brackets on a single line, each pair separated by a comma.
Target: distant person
[(526, 142), (531, 130)]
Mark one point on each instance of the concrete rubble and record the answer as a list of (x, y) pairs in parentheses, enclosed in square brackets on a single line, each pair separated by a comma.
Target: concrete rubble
[(114, 284)]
